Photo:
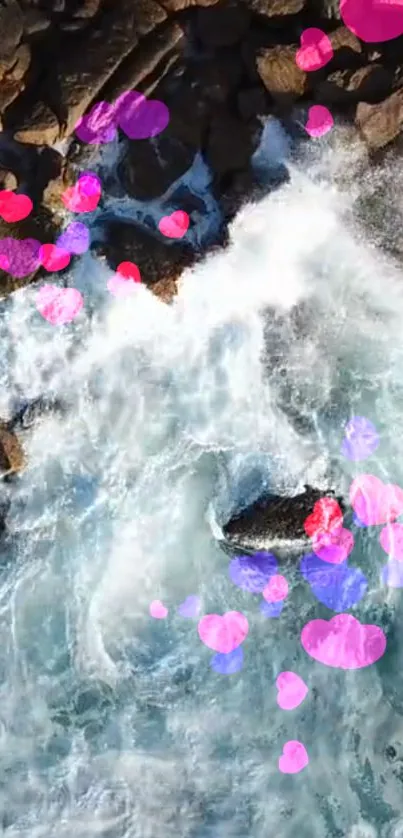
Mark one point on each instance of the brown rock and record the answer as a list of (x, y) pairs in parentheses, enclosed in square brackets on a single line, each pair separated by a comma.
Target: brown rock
[(179, 5), (92, 60), (367, 84), (9, 90), (224, 25), (39, 126), (22, 60), (276, 8), (12, 457), (8, 180), (229, 145), (380, 124), (87, 9), (280, 74), (348, 50), (35, 21), (11, 29)]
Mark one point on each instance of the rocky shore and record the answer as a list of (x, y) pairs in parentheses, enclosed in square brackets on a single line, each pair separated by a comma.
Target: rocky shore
[(218, 65)]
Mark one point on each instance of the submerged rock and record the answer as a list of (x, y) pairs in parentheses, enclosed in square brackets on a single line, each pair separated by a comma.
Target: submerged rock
[(274, 523), (12, 457)]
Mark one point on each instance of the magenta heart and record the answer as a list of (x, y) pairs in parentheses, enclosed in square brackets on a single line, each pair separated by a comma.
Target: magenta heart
[(375, 502), (99, 125), (22, 255), (140, 118), (291, 690), (174, 226), (316, 50), (223, 634), (333, 547), (373, 21), (294, 757), (343, 642), (320, 121)]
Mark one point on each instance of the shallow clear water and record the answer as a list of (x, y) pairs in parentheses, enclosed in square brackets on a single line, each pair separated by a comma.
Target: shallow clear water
[(112, 723)]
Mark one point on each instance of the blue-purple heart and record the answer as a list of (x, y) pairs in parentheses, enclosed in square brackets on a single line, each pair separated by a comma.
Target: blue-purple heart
[(75, 238), (190, 607), (227, 664), (339, 587), (271, 609), (361, 439), (392, 574), (252, 573)]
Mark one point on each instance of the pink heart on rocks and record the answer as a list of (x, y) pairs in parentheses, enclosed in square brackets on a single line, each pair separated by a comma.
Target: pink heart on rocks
[(84, 195), (315, 52), (291, 690), (223, 634), (138, 117), (53, 258), (375, 502), (294, 757), (174, 226), (343, 642), (58, 305), (320, 121)]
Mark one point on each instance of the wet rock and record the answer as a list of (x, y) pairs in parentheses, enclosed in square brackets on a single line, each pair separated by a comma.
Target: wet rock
[(8, 180), (276, 8), (224, 25), (12, 457), (381, 123), (39, 126), (30, 413), (252, 102), (274, 523), (229, 145), (10, 89), (21, 62), (344, 87), (280, 74), (348, 50), (147, 170), (216, 80), (11, 29), (179, 5)]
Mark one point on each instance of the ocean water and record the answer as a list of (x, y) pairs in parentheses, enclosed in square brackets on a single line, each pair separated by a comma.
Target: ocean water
[(113, 724)]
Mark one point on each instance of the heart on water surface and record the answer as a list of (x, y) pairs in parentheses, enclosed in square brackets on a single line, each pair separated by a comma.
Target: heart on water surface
[(320, 121), (294, 757), (375, 502), (223, 633), (291, 690), (174, 226), (58, 305), (343, 642)]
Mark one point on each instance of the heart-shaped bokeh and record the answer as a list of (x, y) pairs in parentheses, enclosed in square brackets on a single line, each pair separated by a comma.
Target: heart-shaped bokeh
[(375, 502), (392, 574), (123, 282), (294, 757), (98, 125), (22, 256), (174, 226), (271, 609), (361, 439), (58, 305), (276, 589), (223, 633), (333, 547), (252, 573), (291, 690), (158, 610), (320, 121), (315, 52), (75, 239), (14, 207), (190, 607), (373, 21), (343, 642), (84, 196), (53, 258), (339, 587), (391, 540), (326, 517), (228, 664), (140, 118)]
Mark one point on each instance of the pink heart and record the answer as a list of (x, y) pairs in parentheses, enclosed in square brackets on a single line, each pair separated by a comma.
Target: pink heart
[(53, 258), (316, 50), (4, 262), (343, 642), (158, 610), (333, 547), (276, 589), (84, 195), (124, 281), (223, 634), (375, 502), (174, 226), (291, 690), (140, 118), (320, 121), (373, 21), (58, 305), (294, 757), (391, 539)]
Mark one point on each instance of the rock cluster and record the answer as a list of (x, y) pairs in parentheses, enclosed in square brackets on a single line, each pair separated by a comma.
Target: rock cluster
[(219, 65)]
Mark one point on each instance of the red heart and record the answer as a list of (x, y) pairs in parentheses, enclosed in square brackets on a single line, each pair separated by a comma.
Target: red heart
[(14, 207), (326, 517), (53, 258)]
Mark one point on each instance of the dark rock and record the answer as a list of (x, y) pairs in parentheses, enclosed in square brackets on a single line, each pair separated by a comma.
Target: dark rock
[(11, 29), (215, 80), (344, 87), (274, 523), (38, 127), (179, 5), (146, 171), (280, 74), (381, 123), (252, 102), (275, 8), (224, 25), (229, 145), (348, 50), (30, 413)]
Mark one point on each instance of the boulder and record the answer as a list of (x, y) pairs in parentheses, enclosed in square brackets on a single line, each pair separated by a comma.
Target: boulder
[(276, 8), (8, 180), (38, 126), (12, 458), (280, 74), (367, 84), (180, 5), (381, 123), (224, 25), (229, 144)]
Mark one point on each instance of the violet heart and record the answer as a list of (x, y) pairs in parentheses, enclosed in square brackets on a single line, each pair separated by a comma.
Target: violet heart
[(140, 118), (228, 664), (392, 574), (23, 255), (252, 573), (75, 238), (97, 126), (361, 439), (339, 587), (190, 607), (271, 609)]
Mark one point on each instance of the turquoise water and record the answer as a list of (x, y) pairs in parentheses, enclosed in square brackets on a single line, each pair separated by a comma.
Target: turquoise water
[(113, 724)]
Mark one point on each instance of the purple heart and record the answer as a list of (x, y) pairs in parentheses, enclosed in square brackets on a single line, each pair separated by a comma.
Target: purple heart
[(99, 125), (190, 607), (22, 255), (271, 609), (227, 664), (357, 521), (339, 587), (392, 574), (139, 118), (252, 573), (75, 239), (361, 439)]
